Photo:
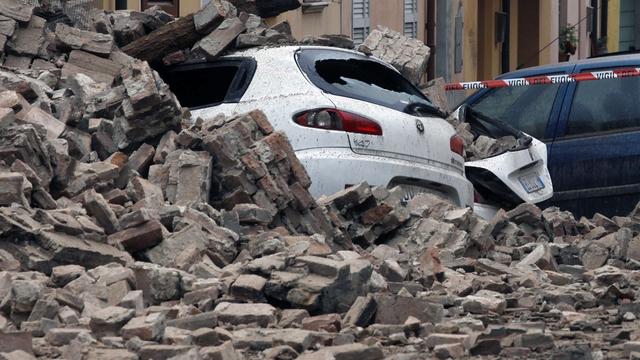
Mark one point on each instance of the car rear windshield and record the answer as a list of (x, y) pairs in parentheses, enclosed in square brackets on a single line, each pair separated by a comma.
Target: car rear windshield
[(358, 77)]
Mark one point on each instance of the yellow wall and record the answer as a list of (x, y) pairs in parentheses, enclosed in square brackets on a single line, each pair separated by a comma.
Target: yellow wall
[(549, 22), (513, 38), (613, 26), (489, 59), (544, 32), (532, 26), (470, 41), (108, 4)]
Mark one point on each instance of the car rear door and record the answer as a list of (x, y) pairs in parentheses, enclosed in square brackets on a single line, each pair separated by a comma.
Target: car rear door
[(595, 157)]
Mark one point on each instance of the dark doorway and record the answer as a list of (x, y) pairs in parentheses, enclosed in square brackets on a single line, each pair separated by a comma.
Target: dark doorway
[(528, 33), (430, 37)]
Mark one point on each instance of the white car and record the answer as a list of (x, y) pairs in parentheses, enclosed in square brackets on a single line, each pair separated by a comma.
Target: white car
[(512, 177), (350, 118)]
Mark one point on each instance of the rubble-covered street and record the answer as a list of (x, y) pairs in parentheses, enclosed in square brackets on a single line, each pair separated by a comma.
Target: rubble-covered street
[(129, 232)]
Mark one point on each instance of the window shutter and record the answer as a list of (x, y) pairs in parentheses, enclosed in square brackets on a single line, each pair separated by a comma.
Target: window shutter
[(411, 18), (361, 20)]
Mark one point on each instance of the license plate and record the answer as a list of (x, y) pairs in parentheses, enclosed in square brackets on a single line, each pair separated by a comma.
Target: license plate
[(531, 183), (411, 191)]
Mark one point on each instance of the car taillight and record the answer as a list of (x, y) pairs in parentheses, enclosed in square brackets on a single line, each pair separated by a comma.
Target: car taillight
[(457, 145), (477, 198), (332, 119)]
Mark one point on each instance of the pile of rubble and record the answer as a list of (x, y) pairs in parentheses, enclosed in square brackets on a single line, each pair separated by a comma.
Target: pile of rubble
[(128, 231), (476, 145)]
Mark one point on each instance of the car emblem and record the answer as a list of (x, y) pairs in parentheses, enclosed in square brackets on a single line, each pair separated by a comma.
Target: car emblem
[(420, 126)]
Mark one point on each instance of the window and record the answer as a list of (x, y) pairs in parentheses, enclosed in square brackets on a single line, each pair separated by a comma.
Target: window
[(356, 76), (208, 84), (361, 20), (628, 24), (526, 108), (605, 105), (411, 18)]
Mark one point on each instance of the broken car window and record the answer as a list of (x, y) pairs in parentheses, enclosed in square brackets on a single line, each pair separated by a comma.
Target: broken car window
[(358, 77)]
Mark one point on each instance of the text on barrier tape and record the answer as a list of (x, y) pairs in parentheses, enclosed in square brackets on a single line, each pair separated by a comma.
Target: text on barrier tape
[(545, 80)]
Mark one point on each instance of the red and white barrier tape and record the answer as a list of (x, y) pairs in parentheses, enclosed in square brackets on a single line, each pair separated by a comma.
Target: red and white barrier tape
[(545, 80)]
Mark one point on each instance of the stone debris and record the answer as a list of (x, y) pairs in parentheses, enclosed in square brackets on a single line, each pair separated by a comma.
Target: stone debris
[(409, 56), (434, 91), (128, 232)]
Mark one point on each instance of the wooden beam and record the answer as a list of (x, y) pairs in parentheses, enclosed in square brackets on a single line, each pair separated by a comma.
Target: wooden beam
[(176, 35), (265, 8)]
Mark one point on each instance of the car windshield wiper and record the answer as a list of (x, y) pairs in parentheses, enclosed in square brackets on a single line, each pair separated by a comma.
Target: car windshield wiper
[(418, 107), (523, 140)]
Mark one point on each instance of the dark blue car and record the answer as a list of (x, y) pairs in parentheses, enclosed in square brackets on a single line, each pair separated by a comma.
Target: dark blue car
[(591, 128)]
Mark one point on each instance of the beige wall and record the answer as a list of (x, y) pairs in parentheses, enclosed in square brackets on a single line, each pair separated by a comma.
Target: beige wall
[(325, 22), (346, 17), (133, 5), (336, 18), (389, 13), (189, 6)]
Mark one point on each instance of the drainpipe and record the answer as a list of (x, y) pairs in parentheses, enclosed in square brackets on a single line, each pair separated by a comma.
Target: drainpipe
[(506, 8)]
